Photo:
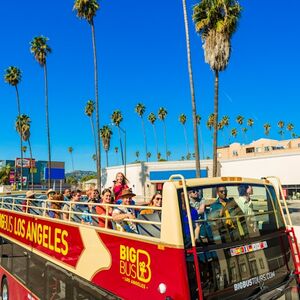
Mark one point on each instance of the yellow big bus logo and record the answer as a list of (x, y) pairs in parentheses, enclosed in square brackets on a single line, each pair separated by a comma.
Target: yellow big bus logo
[(135, 265)]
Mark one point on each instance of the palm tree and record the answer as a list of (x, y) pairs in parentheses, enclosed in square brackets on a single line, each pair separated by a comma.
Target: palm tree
[(290, 127), (106, 133), (250, 123), (140, 110), (137, 155), (117, 151), (240, 120), (152, 119), (182, 120), (70, 150), (162, 114), (225, 121), (24, 149), (89, 111), (86, 9), (244, 130), (40, 50), (23, 127), (117, 118), (267, 128), (198, 121), (210, 121), (193, 101), (158, 156), (216, 21), (280, 124), (234, 132), (168, 154), (13, 76), (148, 155)]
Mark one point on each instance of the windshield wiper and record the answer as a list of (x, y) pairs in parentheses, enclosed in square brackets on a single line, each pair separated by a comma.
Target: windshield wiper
[(281, 290), (263, 289)]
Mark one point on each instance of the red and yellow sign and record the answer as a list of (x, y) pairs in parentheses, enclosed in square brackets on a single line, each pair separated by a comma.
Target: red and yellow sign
[(60, 241)]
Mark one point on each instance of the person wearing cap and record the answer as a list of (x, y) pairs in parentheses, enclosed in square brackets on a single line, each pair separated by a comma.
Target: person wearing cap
[(50, 193), (27, 203), (123, 214)]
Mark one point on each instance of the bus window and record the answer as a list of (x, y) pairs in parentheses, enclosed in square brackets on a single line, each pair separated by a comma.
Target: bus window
[(20, 263), (36, 274), (6, 254), (85, 291)]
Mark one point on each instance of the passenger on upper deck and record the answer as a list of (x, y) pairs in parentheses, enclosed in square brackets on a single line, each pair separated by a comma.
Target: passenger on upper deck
[(50, 193), (67, 195), (89, 210), (122, 212), (55, 206), (72, 207), (103, 210), (120, 184), (28, 202), (156, 201)]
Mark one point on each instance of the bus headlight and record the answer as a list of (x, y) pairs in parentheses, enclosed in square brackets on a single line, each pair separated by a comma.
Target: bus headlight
[(162, 288)]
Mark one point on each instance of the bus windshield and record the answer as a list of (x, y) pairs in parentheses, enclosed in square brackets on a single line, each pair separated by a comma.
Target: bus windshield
[(233, 212)]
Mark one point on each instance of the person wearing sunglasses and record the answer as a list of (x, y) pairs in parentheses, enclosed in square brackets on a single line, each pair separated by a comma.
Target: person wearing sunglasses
[(156, 201)]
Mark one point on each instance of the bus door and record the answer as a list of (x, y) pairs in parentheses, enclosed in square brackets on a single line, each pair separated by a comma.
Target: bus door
[(241, 245)]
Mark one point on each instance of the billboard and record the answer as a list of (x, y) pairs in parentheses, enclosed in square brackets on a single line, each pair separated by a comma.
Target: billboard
[(55, 173), (27, 163)]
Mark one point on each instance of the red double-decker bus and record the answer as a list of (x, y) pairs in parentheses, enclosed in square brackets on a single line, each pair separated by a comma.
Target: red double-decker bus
[(223, 251)]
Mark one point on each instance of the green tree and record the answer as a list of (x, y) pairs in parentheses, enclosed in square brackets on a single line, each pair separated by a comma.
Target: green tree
[(267, 128), (152, 119), (216, 21), (106, 134), (191, 79), (182, 120), (70, 150), (4, 174), (89, 111), (40, 49), (162, 114), (23, 123), (210, 121), (117, 118), (140, 110), (87, 9), (116, 152), (13, 76)]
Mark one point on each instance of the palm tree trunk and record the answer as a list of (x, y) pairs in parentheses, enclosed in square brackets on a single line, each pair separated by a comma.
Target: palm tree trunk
[(106, 152), (186, 140), (155, 137), (145, 139), (31, 170), (98, 153), (194, 111), (20, 132), (47, 124), (216, 110), (95, 139), (165, 138), (72, 160), (121, 146)]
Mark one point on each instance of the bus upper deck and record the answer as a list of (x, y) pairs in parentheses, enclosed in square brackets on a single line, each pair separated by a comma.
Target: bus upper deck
[(207, 249)]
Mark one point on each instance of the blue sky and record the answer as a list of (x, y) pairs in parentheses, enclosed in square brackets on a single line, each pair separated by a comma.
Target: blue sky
[(142, 58)]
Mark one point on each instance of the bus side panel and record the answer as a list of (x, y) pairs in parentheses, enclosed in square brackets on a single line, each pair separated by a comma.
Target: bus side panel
[(139, 268), (16, 290)]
